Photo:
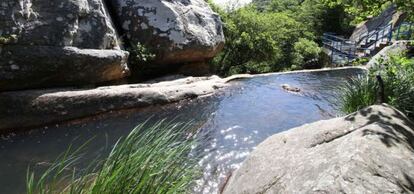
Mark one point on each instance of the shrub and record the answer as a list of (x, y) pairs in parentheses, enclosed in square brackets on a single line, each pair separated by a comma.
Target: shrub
[(7, 39), (258, 67), (254, 37), (358, 93), (397, 73), (305, 51), (360, 61), (151, 159), (139, 54)]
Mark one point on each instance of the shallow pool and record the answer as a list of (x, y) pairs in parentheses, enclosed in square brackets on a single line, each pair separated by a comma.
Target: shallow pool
[(234, 122)]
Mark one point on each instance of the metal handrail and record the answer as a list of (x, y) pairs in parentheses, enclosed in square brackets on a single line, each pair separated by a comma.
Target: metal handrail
[(368, 35), (347, 48), (335, 38), (376, 36), (408, 32)]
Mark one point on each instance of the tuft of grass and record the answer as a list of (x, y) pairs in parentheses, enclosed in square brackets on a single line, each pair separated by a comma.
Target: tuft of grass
[(151, 159), (358, 93), (398, 76)]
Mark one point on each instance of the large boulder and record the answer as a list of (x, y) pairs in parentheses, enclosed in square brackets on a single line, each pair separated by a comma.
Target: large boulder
[(31, 28), (370, 151), (30, 66), (177, 32)]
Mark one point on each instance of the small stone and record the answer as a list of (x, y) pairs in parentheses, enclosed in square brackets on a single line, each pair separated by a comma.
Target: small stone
[(14, 67), (126, 24)]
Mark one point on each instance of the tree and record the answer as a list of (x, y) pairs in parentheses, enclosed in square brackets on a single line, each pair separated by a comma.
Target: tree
[(258, 42), (361, 9)]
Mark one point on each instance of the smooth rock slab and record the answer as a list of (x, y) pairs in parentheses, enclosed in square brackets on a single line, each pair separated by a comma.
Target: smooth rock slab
[(23, 67), (31, 108), (370, 151)]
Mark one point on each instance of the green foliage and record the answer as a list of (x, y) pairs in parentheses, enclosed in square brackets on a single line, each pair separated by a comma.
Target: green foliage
[(361, 10), (291, 6), (261, 38), (314, 15), (138, 54), (358, 93), (254, 37), (3, 40), (360, 61), (7, 39), (320, 18), (304, 51), (151, 159), (407, 33), (251, 67), (397, 73)]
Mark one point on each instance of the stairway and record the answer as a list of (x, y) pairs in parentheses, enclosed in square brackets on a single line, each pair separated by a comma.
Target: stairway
[(343, 51)]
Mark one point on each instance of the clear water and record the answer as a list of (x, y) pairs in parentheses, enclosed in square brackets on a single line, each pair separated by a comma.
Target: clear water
[(234, 122)]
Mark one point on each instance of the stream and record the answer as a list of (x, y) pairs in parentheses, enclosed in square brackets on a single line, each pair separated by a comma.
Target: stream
[(235, 121)]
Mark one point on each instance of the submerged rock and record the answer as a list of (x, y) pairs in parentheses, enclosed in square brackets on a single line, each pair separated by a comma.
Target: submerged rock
[(177, 32), (34, 35), (289, 88), (370, 151)]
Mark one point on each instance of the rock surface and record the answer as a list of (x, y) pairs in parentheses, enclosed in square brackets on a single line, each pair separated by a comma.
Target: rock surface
[(176, 32), (21, 109), (45, 28), (80, 23), (45, 66), (385, 53), (370, 151)]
